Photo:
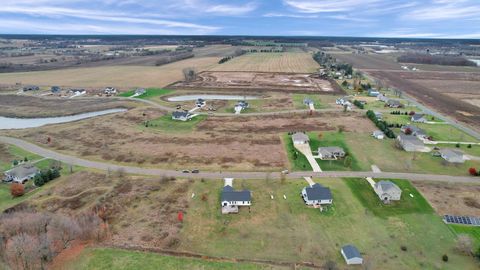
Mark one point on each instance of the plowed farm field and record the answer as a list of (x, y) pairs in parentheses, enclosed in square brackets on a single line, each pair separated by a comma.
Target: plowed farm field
[(297, 62)]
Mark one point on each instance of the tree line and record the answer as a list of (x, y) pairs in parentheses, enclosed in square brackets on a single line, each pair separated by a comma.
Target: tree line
[(382, 125), (429, 59)]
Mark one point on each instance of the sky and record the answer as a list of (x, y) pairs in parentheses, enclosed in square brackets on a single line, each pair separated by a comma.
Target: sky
[(359, 18)]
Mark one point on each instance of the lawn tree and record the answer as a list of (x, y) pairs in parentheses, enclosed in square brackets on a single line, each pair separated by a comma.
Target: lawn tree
[(347, 162), (17, 190)]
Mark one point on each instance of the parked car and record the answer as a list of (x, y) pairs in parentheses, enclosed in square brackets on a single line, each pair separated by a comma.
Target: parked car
[(185, 171), (195, 171)]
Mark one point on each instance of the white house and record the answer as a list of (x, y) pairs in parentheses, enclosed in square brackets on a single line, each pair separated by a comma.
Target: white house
[(300, 138), (452, 155), (387, 191), (378, 134), (419, 118), (316, 195), (351, 255), (331, 152), (21, 173), (231, 200)]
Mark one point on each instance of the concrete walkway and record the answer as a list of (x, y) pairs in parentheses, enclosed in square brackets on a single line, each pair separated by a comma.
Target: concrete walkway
[(370, 181), (309, 180), (307, 152)]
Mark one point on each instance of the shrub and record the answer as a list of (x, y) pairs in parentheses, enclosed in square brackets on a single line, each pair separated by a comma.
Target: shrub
[(17, 190), (412, 113), (469, 146), (445, 258), (408, 131), (473, 171), (403, 248), (15, 162), (457, 145)]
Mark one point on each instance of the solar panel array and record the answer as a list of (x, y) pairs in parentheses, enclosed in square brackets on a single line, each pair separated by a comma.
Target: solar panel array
[(466, 220)]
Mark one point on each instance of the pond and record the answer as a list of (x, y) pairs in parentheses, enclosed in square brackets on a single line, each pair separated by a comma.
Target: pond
[(210, 97), (18, 123)]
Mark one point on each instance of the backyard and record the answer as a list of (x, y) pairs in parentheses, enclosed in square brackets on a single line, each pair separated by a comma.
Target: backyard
[(271, 223)]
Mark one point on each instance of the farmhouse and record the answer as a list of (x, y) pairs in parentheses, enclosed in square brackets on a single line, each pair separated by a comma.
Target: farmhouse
[(231, 199), (181, 116), (378, 134), (21, 173), (316, 195), (411, 143), (140, 91), (331, 152), (393, 103), (300, 138), (452, 155), (351, 255), (110, 91), (387, 191), (419, 118)]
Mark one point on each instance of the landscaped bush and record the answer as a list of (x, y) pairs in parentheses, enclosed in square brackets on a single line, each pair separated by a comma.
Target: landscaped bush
[(445, 258), (382, 125), (358, 104), (46, 176)]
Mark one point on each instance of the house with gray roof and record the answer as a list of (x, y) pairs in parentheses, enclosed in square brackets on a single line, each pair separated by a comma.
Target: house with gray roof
[(382, 98), (300, 138), (419, 118), (21, 173), (393, 103), (414, 130), (452, 155), (181, 116), (351, 255), (317, 195), (411, 143), (387, 191), (372, 92), (331, 152), (231, 199)]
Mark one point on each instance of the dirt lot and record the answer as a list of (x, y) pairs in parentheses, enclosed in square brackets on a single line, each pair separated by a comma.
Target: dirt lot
[(294, 82), (452, 199), (299, 62), (27, 106), (138, 210), (120, 76)]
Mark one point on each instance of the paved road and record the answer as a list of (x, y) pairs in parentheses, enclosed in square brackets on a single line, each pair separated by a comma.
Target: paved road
[(219, 175)]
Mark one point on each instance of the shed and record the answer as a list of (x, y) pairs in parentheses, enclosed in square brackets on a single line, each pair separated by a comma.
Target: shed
[(351, 255)]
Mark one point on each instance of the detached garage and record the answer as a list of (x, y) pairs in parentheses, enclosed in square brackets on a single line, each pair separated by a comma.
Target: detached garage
[(351, 255)]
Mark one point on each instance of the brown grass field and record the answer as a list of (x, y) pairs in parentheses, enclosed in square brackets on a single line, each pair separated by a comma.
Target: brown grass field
[(229, 143), (451, 199), (120, 76), (28, 106), (297, 62)]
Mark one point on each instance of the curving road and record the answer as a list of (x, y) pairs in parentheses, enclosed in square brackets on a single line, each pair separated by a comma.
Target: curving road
[(218, 175)]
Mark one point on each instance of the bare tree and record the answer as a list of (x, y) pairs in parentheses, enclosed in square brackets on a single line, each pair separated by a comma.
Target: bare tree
[(189, 74), (464, 244)]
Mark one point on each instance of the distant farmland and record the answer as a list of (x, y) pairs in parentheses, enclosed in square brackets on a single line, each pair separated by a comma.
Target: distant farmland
[(298, 62), (118, 76)]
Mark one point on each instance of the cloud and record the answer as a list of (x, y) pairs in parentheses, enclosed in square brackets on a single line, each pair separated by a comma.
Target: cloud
[(442, 10), (232, 10), (278, 15), (312, 6)]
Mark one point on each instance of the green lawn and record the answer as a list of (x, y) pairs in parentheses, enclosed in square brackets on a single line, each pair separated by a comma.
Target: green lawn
[(383, 153), (286, 230), (369, 199), (298, 162), (150, 93), (333, 138), (318, 101), (166, 124), (473, 232), (109, 258), (19, 154)]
